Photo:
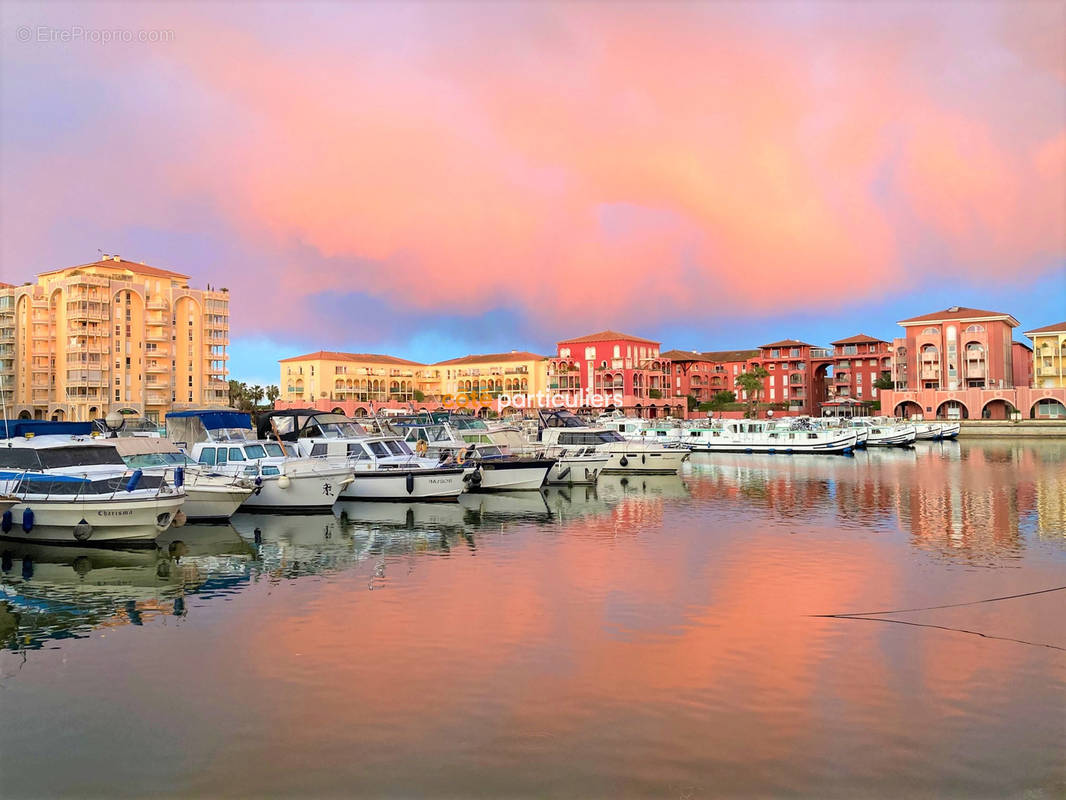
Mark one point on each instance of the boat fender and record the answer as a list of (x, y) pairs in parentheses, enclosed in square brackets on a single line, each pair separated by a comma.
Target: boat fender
[(135, 478), (564, 473), (83, 530), (257, 535), (258, 480), (460, 457), (623, 461), (643, 459), (180, 518), (6, 521), (410, 482), (179, 477), (284, 482), (27, 520), (475, 477)]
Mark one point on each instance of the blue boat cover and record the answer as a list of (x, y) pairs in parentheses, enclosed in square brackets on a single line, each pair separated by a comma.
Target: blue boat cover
[(10, 428), (213, 420), (10, 475)]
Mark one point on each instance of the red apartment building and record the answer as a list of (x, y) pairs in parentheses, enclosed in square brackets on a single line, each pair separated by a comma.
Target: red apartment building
[(858, 362), (797, 374), (702, 375), (610, 361)]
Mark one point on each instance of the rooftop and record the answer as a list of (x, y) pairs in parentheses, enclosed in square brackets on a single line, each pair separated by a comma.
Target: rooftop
[(494, 358), (788, 343), (117, 262), (365, 358), (1058, 327), (859, 338), (608, 336), (960, 314), (716, 356)]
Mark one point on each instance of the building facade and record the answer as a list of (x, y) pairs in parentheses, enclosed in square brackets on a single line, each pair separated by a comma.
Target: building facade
[(112, 335), (351, 383), (616, 363), (959, 363), (703, 374), (858, 362), (798, 373), (469, 378), (1049, 355)]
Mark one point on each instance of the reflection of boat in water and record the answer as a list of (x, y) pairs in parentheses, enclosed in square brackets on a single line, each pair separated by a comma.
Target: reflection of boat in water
[(403, 515), (610, 491), (661, 486), (506, 505)]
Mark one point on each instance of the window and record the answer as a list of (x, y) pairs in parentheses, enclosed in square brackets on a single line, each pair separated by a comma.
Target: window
[(618, 351), (931, 332), (235, 454), (207, 455), (590, 353), (975, 328), (255, 451)]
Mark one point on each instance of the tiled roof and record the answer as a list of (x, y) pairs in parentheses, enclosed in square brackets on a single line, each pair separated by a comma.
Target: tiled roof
[(369, 358), (132, 266), (860, 338), (788, 343), (1058, 327), (494, 358), (715, 356), (607, 336), (959, 313)]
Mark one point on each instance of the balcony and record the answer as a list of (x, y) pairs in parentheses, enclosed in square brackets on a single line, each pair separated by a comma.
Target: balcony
[(929, 371), (82, 377), (1048, 371), (975, 369), (157, 336), (158, 368), (842, 377), (157, 304)]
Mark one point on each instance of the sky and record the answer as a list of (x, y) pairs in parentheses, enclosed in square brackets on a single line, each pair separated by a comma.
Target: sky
[(436, 179)]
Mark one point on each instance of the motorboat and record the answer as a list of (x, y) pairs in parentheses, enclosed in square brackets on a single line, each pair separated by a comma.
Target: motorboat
[(285, 482), (885, 432), (937, 431), (78, 490), (209, 495), (500, 469), (561, 429), (783, 437), (384, 467)]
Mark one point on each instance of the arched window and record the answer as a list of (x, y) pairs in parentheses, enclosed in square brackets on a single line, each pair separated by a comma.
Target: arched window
[(931, 332), (975, 329)]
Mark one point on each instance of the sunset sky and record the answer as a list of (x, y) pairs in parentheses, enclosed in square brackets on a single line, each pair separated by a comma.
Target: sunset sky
[(436, 179)]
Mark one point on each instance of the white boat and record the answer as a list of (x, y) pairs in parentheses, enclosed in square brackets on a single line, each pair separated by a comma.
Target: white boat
[(562, 429), (500, 471), (576, 465), (384, 467), (78, 490), (209, 495), (284, 482), (776, 437), (937, 431), (884, 432)]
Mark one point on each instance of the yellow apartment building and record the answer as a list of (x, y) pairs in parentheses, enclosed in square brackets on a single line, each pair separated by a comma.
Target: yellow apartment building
[(111, 335), (516, 372), (356, 378), (1049, 356)]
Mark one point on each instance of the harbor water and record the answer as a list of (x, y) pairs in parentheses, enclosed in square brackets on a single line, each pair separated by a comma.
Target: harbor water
[(643, 637)]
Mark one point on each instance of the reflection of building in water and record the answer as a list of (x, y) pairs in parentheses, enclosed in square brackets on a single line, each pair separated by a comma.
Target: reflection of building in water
[(1049, 489)]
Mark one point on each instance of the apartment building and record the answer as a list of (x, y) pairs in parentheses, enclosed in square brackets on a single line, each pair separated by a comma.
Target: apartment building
[(352, 383), (1049, 355), (703, 374), (514, 372), (111, 335)]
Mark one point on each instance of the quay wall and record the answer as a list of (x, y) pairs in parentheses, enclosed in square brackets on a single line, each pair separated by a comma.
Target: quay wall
[(1021, 429)]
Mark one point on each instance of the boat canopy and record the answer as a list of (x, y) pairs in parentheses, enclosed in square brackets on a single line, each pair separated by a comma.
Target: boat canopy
[(75, 455), (305, 423), (10, 428), (207, 425), (560, 418)]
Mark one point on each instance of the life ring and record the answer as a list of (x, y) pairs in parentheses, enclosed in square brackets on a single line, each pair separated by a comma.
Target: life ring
[(422, 447), (460, 457)]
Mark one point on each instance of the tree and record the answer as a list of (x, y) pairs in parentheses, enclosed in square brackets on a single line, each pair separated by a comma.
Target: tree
[(237, 390), (692, 401), (750, 382), (420, 396), (885, 381), (655, 394), (722, 399), (272, 394), (255, 394)]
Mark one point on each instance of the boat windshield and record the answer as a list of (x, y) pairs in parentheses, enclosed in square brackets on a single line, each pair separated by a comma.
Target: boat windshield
[(561, 418), (398, 447), (429, 433), (273, 450), (468, 423), (340, 430), (145, 460)]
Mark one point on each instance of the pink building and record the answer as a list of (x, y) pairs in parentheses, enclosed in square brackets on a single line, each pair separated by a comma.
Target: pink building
[(961, 363), (798, 373), (614, 362)]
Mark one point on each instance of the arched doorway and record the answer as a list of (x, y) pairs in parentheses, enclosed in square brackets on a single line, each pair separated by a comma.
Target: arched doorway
[(360, 412), (997, 409), (952, 409), (93, 411), (908, 409), (58, 415), (338, 410), (1048, 408), (25, 415)]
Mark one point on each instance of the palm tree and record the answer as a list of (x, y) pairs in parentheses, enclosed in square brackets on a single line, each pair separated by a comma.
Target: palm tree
[(255, 394), (272, 394), (751, 383)]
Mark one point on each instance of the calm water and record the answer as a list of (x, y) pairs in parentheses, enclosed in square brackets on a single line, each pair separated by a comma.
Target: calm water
[(645, 639)]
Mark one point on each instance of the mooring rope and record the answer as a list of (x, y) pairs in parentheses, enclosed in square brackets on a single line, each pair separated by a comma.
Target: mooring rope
[(946, 605)]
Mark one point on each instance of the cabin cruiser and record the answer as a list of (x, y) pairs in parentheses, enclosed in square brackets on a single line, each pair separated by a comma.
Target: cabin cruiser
[(501, 470), (384, 466), (209, 495), (787, 437), (78, 490), (670, 434), (284, 481), (884, 432), (560, 430)]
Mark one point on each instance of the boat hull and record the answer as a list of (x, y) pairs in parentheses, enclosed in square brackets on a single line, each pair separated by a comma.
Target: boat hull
[(392, 485), (114, 521), (569, 471), (832, 447), (509, 476), (204, 503), (306, 493), (636, 461)]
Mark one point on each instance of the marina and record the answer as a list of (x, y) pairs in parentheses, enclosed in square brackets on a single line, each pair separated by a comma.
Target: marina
[(643, 635)]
